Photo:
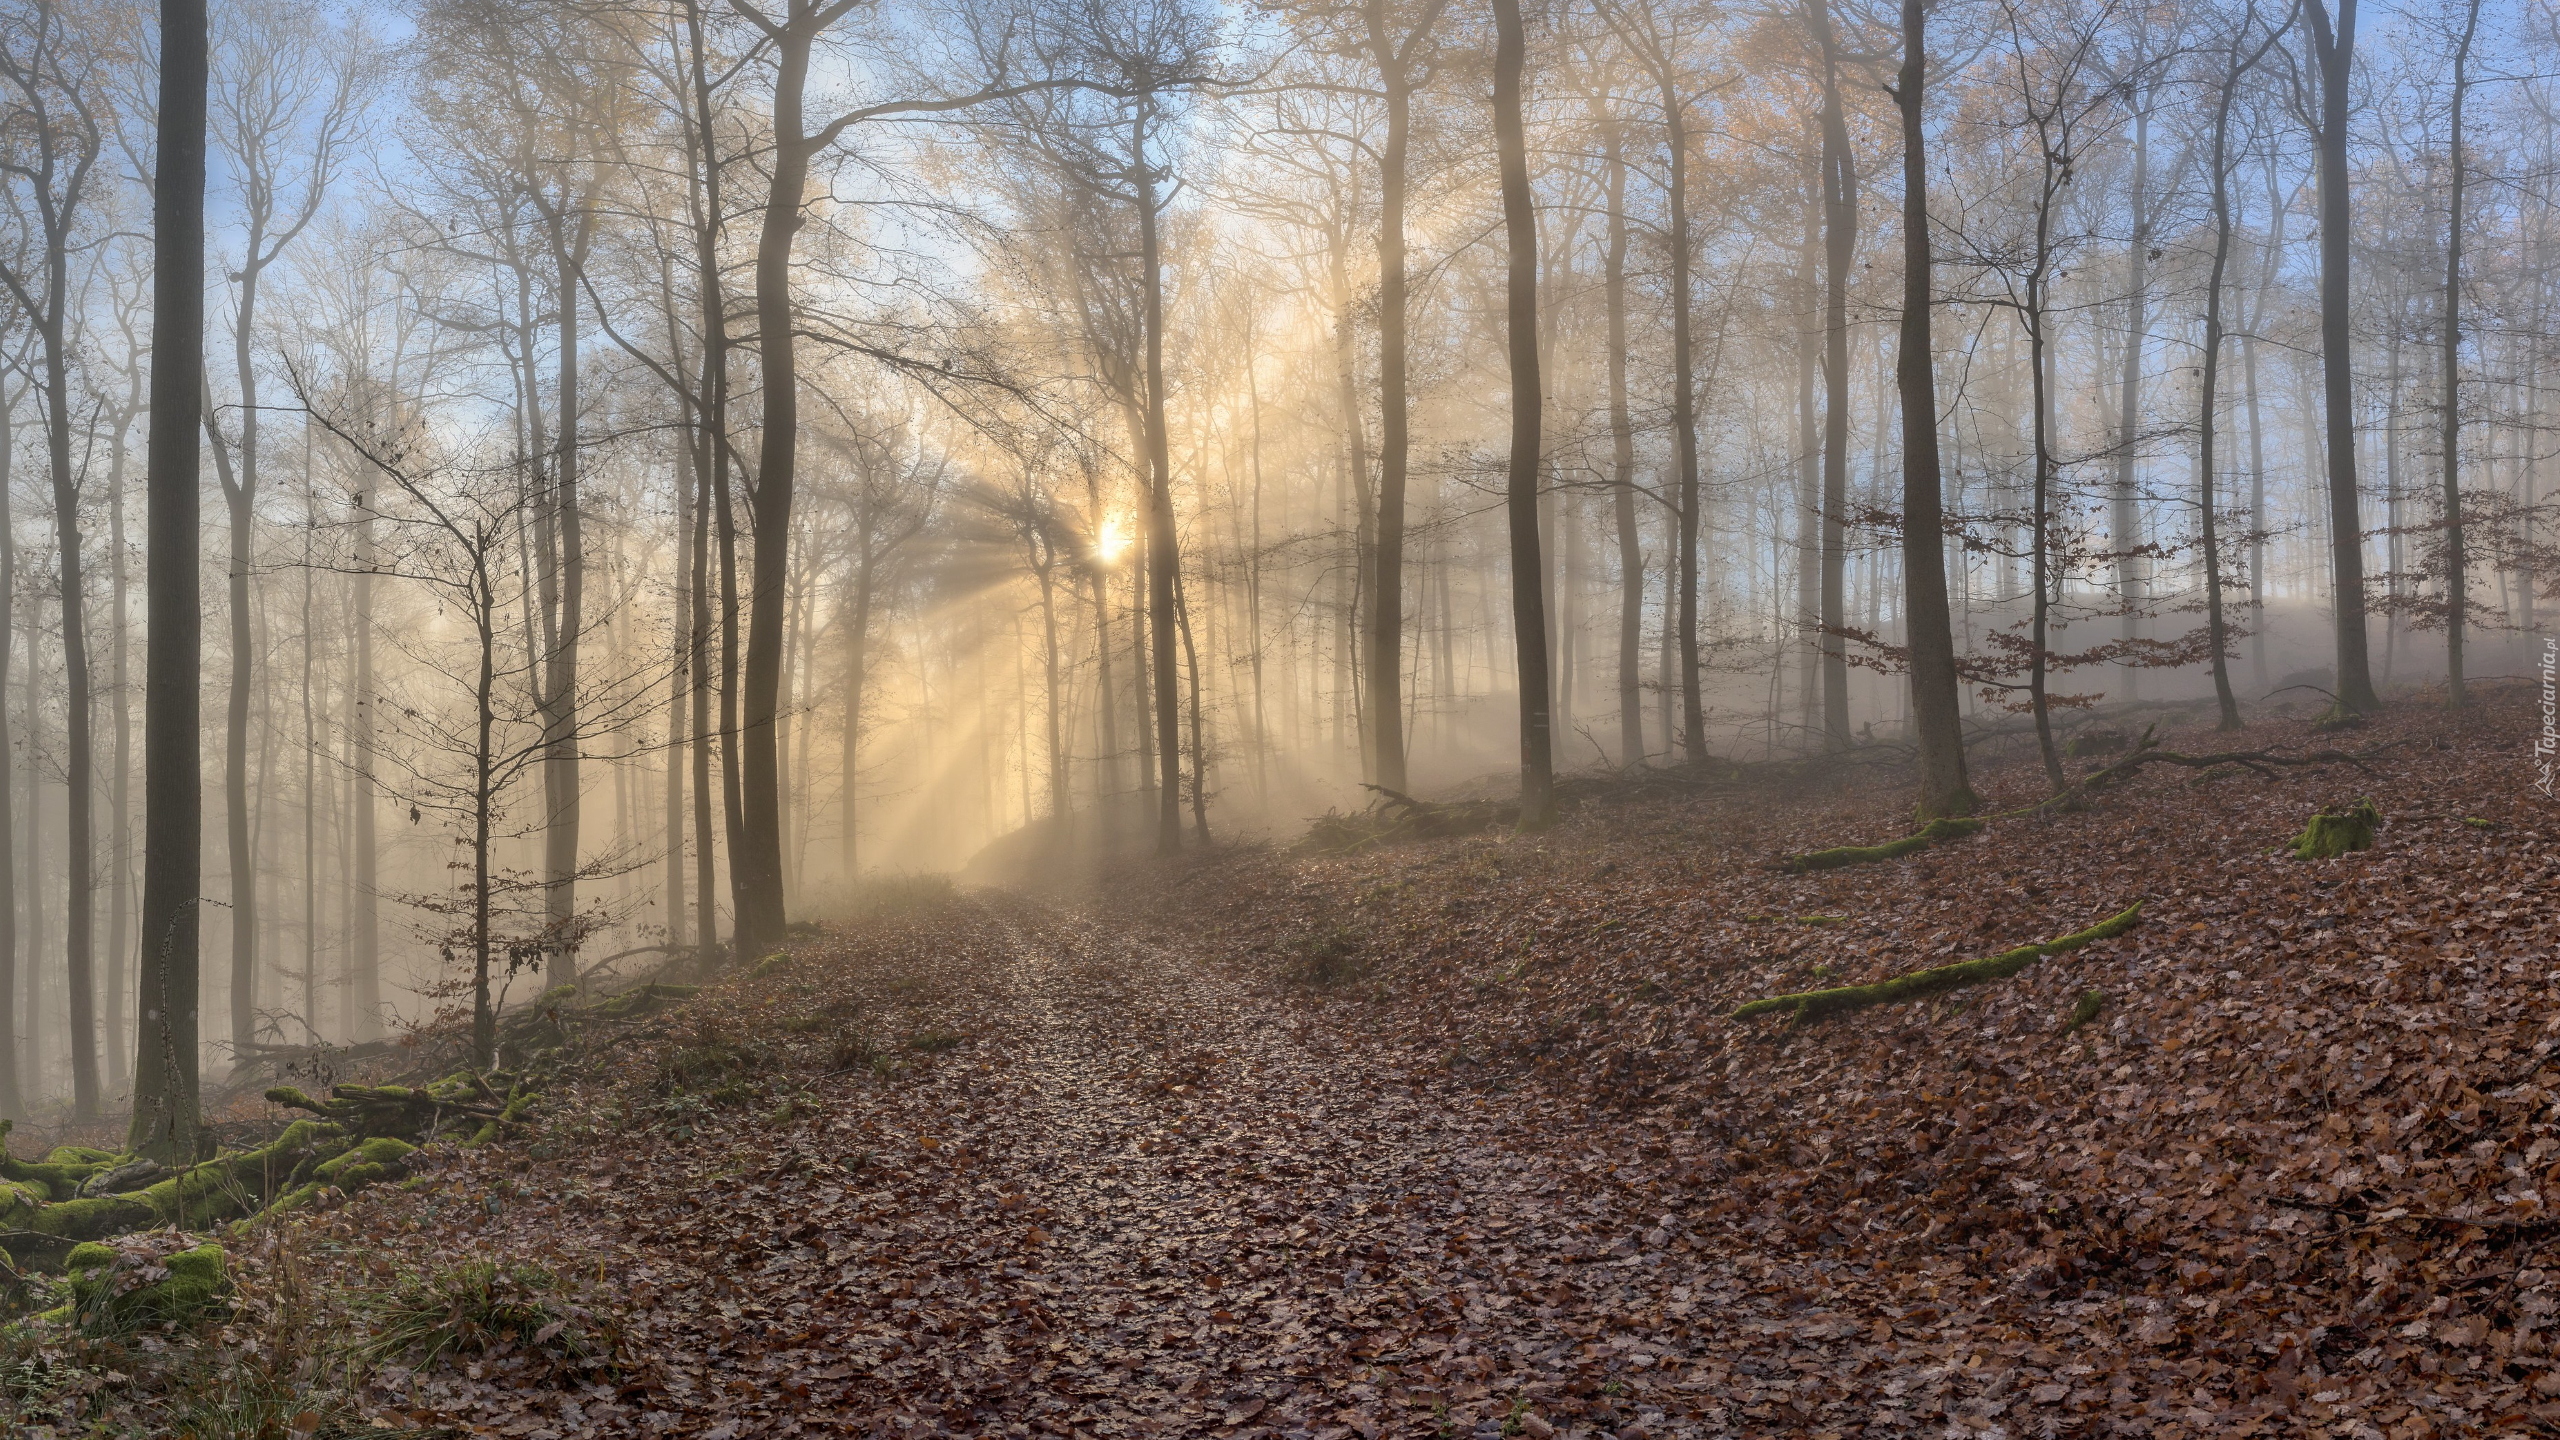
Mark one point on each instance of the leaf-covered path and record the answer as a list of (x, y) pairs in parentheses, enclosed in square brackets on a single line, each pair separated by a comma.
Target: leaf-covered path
[(1109, 1190)]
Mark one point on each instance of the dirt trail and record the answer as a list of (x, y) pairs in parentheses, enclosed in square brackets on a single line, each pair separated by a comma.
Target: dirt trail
[(1127, 1193)]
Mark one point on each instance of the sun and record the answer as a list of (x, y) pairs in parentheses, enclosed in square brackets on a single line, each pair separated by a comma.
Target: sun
[(1113, 542)]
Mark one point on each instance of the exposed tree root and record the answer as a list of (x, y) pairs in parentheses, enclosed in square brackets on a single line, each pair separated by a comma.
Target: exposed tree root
[(2264, 763), (1921, 984), (1842, 855), (1395, 817)]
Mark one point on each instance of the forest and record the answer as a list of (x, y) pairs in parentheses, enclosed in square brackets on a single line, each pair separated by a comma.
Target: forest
[(1281, 718)]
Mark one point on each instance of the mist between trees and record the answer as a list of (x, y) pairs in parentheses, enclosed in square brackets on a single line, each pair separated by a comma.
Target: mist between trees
[(665, 464)]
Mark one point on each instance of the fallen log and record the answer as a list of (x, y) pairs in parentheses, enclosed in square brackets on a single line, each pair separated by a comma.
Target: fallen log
[(1921, 984), (1944, 828)]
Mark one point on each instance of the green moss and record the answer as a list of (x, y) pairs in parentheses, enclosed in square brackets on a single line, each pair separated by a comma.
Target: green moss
[(2090, 1003), (1943, 828), (195, 1283), (642, 999), (1921, 984), (379, 1158), (88, 1255), (84, 1155), (2329, 836), (94, 1218)]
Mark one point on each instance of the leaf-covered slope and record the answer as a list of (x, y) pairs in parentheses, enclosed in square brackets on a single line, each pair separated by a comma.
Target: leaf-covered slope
[(2295, 1172)]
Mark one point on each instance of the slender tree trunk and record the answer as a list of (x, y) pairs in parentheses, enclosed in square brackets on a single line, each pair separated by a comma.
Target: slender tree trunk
[(364, 921), (79, 798), (12, 1097), (857, 675), (1937, 721), (713, 517), (1807, 620), (164, 1101), (312, 1033), (2334, 48), (679, 674), (755, 848), (2457, 559), (2040, 545), (1528, 398), (2124, 520), (560, 680), (1163, 557), (1622, 464), (2209, 395), (242, 494), (1839, 246), (1684, 422), (484, 1015), (120, 781), (1386, 604)]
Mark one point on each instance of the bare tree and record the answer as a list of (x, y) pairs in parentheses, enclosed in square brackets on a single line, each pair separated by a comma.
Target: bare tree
[(54, 135), (285, 116)]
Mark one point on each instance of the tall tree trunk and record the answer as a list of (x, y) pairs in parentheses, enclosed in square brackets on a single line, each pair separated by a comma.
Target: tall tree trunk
[(1839, 247), (2040, 545), (2209, 395), (2334, 47), (680, 671), (165, 1122), (12, 1097), (560, 678), (1386, 604), (2457, 560), (79, 803), (241, 492), (364, 920), (1528, 398), (120, 778), (755, 848), (1939, 726), (714, 520), (2124, 520), (1163, 556), (1684, 420), (1807, 620), (1622, 463)]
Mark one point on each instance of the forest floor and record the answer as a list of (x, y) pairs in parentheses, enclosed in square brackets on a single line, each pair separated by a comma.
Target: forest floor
[(1457, 1137)]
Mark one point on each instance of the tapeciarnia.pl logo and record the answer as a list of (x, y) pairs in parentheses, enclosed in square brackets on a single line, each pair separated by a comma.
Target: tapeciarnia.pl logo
[(2547, 745)]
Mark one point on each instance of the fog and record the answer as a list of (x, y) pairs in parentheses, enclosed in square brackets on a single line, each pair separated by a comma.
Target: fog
[(862, 441)]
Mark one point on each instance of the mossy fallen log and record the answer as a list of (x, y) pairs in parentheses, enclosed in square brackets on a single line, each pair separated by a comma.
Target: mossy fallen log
[(415, 1113), (1943, 828), (2330, 835), (1921, 984)]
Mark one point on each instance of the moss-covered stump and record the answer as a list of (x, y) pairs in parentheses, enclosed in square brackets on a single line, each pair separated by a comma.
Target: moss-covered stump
[(2332, 834), (117, 1291), (1842, 855), (1921, 984)]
